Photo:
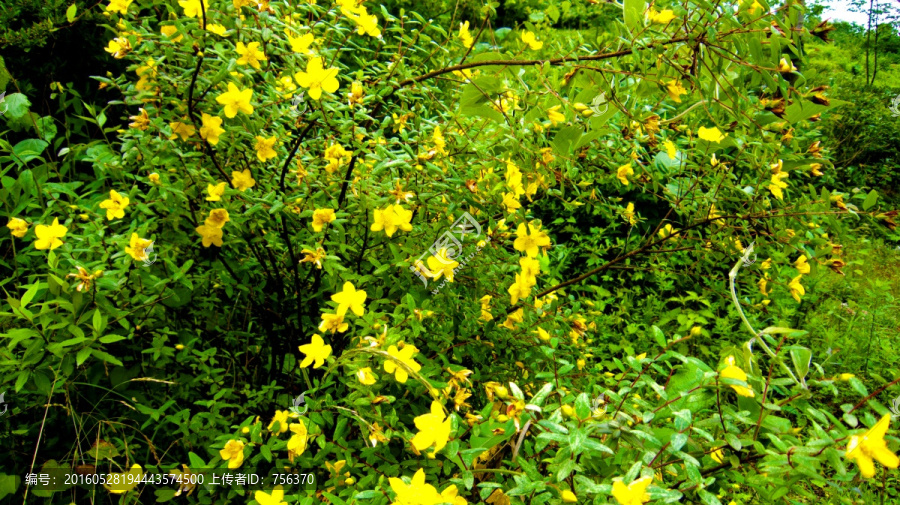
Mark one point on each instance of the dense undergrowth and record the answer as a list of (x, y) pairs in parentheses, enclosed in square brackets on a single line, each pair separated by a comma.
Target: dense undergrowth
[(514, 253)]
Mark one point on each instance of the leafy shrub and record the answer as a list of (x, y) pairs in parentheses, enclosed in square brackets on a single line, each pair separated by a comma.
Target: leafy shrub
[(281, 216)]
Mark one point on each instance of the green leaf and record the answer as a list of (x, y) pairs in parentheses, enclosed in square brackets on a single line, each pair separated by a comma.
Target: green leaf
[(733, 441), (708, 498), (108, 339), (196, 461), (858, 386), (70, 13), (16, 105), (677, 441), (633, 13), (802, 357), (682, 419), (9, 484), (105, 357), (658, 335), (871, 198), (82, 355), (46, 128), (566, 139), (29, 149)]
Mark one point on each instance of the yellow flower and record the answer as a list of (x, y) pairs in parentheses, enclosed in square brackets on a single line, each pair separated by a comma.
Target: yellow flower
[(785, 66), (356, 93), (250, 54), (366, 24), (137, 247), (871, 446), (400, 121), (666, 231), (264, 148), (123, 482), (193, 8), (486, 308), (297, 443), (632, 494), (568, 496), (301, 44), (777, 183), (217, 29), (405, 356), (316, 350), (315, 257), (217, 218), (215, 191), (365, 376), (675, 90), (233, 453), (732, 371), (623, 172), (671, 151), (118, 47), (317, 78), (629, 214), (183, 130), (532, 41), (846, 376), (801, 265), (530, 242), (756, 6), (17, 227), (417, 492), (48, 237), (350, 298), (211, 235), (281, 417), (763, 282), (511, 202), (392, 218), (441, 265), (796, 288), (120, 6), (333, 323), (242, 181), (434, 429), (170, 30), (321, 217), (555, 116), (465, 36), (335, 155), (662, 17), (519, 289), (141, 121), (154, 178), (236, 100), (516, 317), (276, 498), (711, 134), (211, 128)]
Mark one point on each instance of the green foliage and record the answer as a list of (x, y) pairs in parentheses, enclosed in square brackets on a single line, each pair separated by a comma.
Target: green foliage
[(646, 294)]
